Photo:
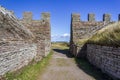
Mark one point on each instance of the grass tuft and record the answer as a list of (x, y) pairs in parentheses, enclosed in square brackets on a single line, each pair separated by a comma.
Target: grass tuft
[(82, 41)]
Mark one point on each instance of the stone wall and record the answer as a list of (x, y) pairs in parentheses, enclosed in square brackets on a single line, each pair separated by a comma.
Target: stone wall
[(15, 56), (21, 41), (41, 30), (106, 58), (85, 29)]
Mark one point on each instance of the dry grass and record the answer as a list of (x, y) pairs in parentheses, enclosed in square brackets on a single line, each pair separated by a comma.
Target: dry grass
[(60, 45), (82, 41), (108, 36)]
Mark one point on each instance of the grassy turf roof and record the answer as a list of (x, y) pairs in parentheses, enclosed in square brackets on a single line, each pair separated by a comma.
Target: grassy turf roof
[(108, 36)]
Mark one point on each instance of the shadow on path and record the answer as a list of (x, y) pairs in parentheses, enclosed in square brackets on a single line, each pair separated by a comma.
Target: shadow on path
[(91, 69), (63, 51), (85, 66)]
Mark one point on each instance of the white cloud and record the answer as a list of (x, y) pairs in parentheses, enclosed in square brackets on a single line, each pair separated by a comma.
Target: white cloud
[(62, 37), (55, 36), (66, 35)]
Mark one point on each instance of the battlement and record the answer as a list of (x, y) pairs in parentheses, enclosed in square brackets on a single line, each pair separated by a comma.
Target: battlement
[(91, 17), (84, 29), (28, 16)]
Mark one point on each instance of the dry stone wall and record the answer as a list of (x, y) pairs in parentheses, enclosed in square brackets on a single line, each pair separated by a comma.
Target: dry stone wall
[(21, 41), (15, 56), (106, 58)]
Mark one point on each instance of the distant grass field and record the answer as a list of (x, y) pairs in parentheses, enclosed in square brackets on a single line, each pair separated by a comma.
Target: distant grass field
[(61, 45), (108, 36), (29, 72)]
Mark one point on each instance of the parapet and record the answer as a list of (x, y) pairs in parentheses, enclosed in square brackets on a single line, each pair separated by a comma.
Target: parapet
[(28, 16), (91, 17), (75, 17)]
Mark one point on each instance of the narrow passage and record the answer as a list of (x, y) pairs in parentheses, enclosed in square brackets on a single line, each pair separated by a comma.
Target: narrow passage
[(62, 67)]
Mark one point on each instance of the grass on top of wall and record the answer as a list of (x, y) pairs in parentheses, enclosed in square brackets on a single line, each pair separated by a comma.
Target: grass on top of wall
[(30, 72), (108, 36), (82, 41)]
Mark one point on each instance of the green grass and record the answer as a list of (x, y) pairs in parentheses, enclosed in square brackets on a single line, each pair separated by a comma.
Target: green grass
[(108, 36), (31, 71)]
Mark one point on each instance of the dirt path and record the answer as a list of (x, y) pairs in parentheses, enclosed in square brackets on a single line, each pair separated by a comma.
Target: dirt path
[(62, 67)]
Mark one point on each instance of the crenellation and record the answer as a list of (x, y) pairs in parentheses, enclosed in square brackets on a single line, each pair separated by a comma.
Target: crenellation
[(91, 18), (85, 29)]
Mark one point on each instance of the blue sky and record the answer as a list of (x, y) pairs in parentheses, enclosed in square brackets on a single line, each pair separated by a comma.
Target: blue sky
[(61, 12)]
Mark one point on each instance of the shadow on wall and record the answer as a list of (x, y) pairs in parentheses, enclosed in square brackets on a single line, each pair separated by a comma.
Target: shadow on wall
[(78, 51), (91, 69), (87, 67), (82, 52)]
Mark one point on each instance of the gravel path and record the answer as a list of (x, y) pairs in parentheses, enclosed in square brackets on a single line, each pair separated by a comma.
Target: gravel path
[(62, 67)]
